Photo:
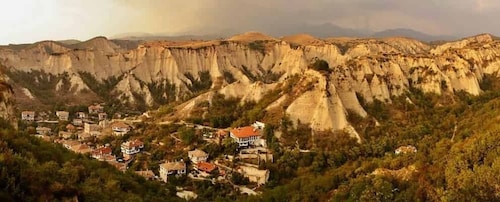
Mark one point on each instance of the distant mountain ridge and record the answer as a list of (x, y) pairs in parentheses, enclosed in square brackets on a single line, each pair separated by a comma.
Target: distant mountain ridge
[(317, 30)]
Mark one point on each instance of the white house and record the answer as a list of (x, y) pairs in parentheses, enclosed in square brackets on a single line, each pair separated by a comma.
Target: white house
[(120, 128), (259, 125), (62, 115), (77, 122), (171, 168), (197, 156), (131, 147), (92, 129), (43, 130), (28, 115), (81, 115), (245, 136), (102, 116)]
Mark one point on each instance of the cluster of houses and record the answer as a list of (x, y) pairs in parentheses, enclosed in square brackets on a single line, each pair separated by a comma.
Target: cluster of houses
[(86, 126), (248, 139), (82, 129)]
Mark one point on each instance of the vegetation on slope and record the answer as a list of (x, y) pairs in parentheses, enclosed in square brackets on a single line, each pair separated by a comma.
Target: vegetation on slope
[(458, 154), (33, 170)]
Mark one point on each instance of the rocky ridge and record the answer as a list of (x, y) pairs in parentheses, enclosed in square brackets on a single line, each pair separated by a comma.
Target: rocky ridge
[(371, 68)]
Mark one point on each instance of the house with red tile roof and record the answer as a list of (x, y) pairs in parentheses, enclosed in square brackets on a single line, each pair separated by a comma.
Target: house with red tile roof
[(131, 147), (103, 154), (245, 136), (205, 167)]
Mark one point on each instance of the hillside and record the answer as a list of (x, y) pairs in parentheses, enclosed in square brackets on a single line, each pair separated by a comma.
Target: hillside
[(250, 67)]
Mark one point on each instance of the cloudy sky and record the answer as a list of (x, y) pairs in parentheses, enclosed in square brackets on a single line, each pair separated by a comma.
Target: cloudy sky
[(34, 20)]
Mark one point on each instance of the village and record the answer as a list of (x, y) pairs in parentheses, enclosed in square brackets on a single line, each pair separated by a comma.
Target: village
[(83, 131)]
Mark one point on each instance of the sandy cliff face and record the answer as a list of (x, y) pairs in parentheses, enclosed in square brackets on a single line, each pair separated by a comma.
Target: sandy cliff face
[(375, 69), (6, 100)]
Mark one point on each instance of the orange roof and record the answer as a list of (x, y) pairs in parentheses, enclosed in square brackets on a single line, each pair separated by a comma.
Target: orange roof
[(207, 167), (102, 150), (120, 125), (133, 143), (247, 131)]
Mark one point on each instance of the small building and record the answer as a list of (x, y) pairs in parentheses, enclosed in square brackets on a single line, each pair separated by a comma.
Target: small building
[(120, 128), (68, 144), (85, 136), (254, 174), (28, 116), (102, 116), (43, 130), (148, 174), (92, 129), (81, 115), (131, 147), (77, 122), (172, 168), (259, 125), (70, 128), (81, 149), (197, 156), (205, 167), (406, 149), (245, 136), (103, 154), (65, 135), (95, 109), (62, 115)]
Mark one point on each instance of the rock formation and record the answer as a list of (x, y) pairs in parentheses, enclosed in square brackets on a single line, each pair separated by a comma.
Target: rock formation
[(374, 69)]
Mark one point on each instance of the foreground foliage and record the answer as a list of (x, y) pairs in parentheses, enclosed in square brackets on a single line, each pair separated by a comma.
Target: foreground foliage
[(33, 170)]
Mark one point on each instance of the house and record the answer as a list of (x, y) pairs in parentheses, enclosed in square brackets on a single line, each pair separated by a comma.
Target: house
[(102, 116), (65, 135), (120, 128), (84, 136), (148, 174), (131, 147), (81, 149), (103, 154), (245, 136), (197, 156), (254, 174), (70, 128), (62, 115), (259, 125), (92, 129), (171, 168), (205, 167), (28, 116), (95, 109), (120, 166), (43, 130), (406, 149), (81, 115), (68, 144), (77, 122)]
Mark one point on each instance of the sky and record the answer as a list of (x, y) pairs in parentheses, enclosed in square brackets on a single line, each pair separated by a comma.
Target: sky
[(26, 21)]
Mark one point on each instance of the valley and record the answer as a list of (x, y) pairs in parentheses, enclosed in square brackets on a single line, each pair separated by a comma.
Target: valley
[(258, 118)]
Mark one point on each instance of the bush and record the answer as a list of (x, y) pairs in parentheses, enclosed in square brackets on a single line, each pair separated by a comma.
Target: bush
[(320, 65)]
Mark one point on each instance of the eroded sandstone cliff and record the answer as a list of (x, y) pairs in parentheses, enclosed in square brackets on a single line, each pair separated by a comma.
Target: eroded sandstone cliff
[(242, 66)]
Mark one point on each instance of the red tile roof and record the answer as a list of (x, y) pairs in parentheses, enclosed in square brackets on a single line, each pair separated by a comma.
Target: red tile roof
[(133, 143), (206, 167), (244, 132), (102, 151)]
